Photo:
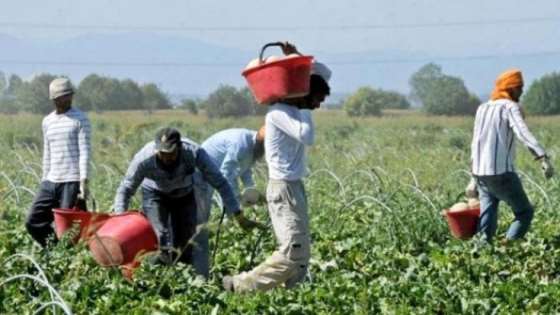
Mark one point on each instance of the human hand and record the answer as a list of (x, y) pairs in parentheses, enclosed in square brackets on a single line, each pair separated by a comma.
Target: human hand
[(471, 191), (547, 168), (247, 224), (289, 48), (83, 194)]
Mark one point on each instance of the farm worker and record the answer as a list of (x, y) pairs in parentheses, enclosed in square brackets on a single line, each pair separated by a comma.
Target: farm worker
[(234, 151), (170, 169), (289, 130), (493, 155), (66, 160)]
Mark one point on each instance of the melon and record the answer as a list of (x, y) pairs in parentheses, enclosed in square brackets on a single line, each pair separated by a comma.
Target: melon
[(253, 63), (458, 207), (473, 203)]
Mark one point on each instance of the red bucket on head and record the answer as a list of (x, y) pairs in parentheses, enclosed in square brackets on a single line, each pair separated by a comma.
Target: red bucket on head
[(287, 77), (123, 238), (462, 224)]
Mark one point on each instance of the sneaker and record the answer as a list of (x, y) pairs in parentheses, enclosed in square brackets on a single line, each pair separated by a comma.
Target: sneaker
[(227, 283)]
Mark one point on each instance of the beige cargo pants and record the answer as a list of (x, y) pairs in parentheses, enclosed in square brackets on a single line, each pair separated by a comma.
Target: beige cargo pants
[(287, 207)]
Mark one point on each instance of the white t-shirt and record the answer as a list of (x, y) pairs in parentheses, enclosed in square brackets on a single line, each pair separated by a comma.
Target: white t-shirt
[(288, 131)]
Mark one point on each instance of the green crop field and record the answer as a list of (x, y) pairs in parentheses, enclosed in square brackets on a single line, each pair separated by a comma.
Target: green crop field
[(376, 189)]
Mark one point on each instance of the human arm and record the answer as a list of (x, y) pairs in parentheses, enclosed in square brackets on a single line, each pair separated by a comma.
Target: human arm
[(213, 176), (133, 178), (230, 169), (519, 127), (84, 147), (297, 125), (247, 178), (46, 153)]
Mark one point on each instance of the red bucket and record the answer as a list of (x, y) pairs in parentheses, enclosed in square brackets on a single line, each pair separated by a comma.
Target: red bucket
[(122, 239), (128, 270), (284, 78), (87, 222), (462, 224)]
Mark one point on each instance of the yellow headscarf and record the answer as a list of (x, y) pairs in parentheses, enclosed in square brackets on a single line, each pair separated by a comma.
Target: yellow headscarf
[(509, 79)]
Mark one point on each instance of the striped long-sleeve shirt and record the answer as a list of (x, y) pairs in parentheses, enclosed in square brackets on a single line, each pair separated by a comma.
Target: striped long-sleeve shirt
[(493, 145), (66, 146)]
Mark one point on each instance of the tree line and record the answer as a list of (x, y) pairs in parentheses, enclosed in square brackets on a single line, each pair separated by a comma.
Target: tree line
[(94, 93), (437, 93), (442, 94)]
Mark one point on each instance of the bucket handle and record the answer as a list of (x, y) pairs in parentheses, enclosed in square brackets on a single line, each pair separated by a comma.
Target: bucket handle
[(279, 44), (81, 203)]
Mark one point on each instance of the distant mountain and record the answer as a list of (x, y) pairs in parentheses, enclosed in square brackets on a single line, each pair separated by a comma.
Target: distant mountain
[(183, 66)]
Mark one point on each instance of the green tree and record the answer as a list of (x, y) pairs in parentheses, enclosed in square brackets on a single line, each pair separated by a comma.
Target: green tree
[(90, 94), (104, 93), (394, 100), (3, 83), (154, 98), (366, 101), (189, 105), (227, 101), (14, 83), (33, 96), (441, 94), (256, 108), (131, 93), (543, 96)]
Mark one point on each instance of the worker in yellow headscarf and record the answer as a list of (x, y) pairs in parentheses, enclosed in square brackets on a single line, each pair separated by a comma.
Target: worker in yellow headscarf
[(493, 155)]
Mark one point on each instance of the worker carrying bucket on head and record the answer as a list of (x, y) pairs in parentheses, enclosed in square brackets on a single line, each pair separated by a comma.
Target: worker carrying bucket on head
[(170, 169), (235, 152), (493, 155), (289, 130)]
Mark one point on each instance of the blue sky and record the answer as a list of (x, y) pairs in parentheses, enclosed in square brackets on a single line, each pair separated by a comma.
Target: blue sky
[(311, 15), (447, 32)]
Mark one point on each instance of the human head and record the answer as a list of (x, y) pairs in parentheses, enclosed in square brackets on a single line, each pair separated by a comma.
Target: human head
[(167, 143), (319, 88), (509, 85), (61, 92)]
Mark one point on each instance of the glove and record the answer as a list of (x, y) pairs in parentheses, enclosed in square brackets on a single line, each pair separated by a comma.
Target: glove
[(547, 168), (84, 190), (247, 224), (471, 191), (251, 196)]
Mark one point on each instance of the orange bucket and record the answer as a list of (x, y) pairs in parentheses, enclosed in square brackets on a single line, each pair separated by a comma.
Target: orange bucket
[(87, 222), (123, 238), (462, 224), (272, 81)]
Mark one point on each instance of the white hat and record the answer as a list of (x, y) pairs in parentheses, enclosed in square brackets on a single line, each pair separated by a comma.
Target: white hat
[(60, 87), (321, 70)]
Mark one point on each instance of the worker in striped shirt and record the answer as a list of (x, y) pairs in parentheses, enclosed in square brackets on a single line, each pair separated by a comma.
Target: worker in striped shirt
[(493, 155), (66, 160)]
